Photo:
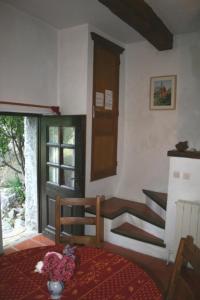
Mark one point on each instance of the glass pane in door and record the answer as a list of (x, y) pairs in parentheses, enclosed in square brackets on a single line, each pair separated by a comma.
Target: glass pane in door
[(69, 135), (54, 155), (69, 178), (53, 135), (69, 157), (53, 175)]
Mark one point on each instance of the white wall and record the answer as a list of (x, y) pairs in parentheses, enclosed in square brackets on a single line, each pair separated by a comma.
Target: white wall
[(75, 77), (37, 67), (188, 61), (150, 134), (73, 70), (184, 184), (28, 58), (29, 73), (28, 62)]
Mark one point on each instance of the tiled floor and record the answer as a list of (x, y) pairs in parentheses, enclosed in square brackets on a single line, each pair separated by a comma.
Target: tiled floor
[(17, 236), (36, 241), (157, 268)]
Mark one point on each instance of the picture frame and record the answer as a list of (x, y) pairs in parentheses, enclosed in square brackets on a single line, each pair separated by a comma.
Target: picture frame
[(163, 92)]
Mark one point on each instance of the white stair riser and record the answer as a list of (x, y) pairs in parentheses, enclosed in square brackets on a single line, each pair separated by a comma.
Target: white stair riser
[(133, 220), (146, 226), (118, 220), (156, 208), (90, 229), (132, 244)]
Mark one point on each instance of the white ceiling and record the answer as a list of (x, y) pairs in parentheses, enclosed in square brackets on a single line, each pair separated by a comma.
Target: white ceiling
[(180, 16)]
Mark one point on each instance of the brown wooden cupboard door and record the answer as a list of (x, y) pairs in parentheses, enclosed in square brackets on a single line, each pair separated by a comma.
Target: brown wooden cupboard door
[(105, 108)]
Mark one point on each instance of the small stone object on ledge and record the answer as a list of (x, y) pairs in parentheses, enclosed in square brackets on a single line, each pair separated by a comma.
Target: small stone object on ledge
[(182, 146)]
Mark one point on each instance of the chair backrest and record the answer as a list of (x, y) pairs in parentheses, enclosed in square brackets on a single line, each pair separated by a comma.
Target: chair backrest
[(93, 240), (180, 288)]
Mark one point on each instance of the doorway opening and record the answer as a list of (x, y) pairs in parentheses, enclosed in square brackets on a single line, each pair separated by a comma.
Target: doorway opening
[(53, 151), (18, 177)]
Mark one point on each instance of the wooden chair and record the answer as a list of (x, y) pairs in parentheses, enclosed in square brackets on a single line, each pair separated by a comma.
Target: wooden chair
[(92, 240), (184, 280)]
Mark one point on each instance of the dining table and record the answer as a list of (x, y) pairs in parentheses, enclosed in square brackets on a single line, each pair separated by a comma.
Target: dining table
[(99, 275)]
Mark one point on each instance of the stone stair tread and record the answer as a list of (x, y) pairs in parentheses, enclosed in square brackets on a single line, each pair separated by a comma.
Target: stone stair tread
[(114, 207), (136, 233), (158, 197)]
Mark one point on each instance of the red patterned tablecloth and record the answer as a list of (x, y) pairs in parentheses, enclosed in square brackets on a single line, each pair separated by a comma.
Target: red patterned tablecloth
[(101, 275)]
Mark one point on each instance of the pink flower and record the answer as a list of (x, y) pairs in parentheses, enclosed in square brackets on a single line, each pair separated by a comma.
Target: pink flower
[(56, 266), (56, 253)]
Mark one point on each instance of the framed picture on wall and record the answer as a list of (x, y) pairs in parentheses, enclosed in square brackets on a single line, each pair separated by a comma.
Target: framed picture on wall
[(163, 92)]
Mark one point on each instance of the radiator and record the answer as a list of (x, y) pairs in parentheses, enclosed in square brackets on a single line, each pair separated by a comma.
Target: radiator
[(187, 221)]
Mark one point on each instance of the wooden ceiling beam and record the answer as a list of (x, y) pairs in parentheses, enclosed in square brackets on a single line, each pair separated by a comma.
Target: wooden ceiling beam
[(140, 16)]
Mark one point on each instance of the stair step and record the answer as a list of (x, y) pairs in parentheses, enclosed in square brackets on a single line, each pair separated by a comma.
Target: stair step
[(159, 198), (114, 207), (136, 233)]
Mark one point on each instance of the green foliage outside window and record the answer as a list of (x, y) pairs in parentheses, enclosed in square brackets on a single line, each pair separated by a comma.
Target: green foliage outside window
[(12, 143)]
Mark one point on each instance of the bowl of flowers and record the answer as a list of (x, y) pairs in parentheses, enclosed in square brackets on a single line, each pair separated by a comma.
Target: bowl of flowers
[(59, 268)]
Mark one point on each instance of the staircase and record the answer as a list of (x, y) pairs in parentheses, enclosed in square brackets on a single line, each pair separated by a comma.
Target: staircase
[(135, 225)]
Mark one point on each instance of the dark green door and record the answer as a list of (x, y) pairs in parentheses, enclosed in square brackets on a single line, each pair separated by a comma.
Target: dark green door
[(62, 166)]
